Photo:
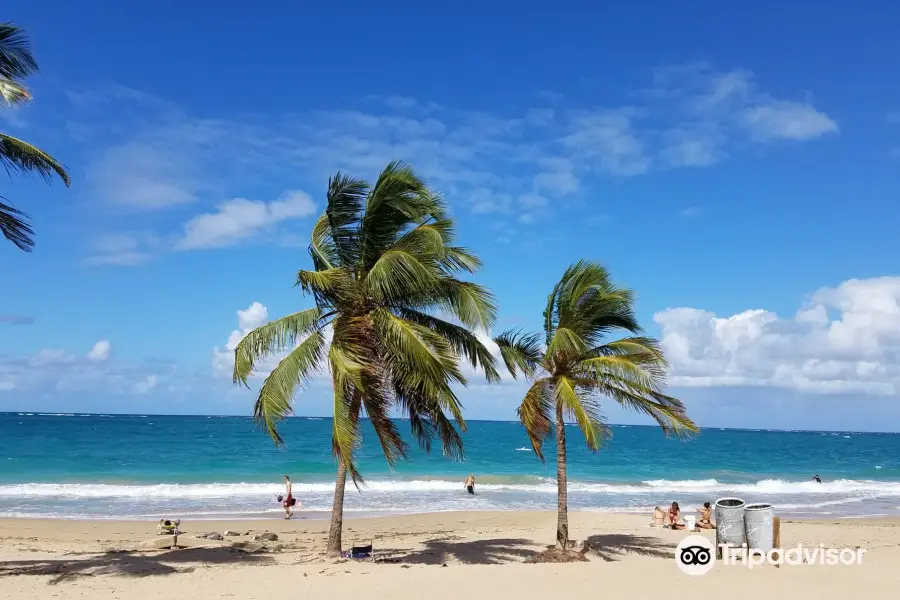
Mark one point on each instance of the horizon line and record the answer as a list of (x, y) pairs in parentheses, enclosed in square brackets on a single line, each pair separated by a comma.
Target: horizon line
[(149, 414)]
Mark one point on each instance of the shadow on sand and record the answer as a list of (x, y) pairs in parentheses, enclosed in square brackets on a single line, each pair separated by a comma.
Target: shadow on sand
[(614, 546), (131, 564), (476, 552)]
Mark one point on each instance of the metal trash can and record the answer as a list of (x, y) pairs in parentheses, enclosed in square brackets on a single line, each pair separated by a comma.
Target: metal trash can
[(758, 526), (730, 522)]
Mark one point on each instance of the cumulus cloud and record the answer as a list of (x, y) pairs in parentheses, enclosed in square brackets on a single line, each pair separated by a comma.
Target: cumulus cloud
[(248, 319), (845, 339), (100, 351), (240, 219)]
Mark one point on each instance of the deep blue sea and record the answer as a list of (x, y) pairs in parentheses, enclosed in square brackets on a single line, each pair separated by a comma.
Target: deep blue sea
[(145, 467)]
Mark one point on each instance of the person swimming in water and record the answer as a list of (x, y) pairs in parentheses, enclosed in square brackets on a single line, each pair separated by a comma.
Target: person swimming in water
[(816, 478), (470, 484)]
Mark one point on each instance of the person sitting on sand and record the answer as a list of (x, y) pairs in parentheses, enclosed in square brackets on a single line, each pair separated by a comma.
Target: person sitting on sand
[(659, 517), (288, 500), (705, 521), (470, 484), (674, 516)]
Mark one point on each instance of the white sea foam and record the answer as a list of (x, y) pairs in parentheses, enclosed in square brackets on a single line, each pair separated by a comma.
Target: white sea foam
[(860, 489), (523, 449)]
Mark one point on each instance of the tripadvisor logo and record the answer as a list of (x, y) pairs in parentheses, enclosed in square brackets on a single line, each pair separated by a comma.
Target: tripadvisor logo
[(696, 555)]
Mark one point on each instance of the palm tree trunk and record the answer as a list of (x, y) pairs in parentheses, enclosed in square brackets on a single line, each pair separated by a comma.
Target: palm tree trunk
[(562, 484), (337, 513)]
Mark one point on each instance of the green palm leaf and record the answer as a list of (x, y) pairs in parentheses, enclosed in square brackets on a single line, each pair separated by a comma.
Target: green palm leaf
[(15, 227), (274, 401), (273, 338), (22, 157)]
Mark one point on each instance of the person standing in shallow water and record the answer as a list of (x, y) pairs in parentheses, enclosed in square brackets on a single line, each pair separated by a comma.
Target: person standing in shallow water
[(288, 498), (470, 484)]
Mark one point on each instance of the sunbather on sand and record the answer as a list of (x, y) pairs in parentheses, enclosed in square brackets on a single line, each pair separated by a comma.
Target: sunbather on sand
[(705, 521), (659, 517), (673, 518)]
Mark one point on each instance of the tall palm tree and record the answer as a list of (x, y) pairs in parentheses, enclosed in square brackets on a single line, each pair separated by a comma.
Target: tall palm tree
[(579, 365), (17, 156), (385, 271)]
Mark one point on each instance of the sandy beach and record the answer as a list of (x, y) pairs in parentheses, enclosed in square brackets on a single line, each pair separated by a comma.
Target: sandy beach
[(439, 555)]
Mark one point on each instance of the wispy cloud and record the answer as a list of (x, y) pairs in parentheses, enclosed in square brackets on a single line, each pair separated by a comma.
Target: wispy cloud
[(16, 320), (155, 156), (690, 212)]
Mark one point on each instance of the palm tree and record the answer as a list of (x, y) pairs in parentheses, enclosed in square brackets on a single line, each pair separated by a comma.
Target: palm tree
[(17, 156), (579, 365), (385, 270)]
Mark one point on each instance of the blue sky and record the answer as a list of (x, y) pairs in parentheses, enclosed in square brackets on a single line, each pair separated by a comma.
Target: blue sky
[(739, 166)]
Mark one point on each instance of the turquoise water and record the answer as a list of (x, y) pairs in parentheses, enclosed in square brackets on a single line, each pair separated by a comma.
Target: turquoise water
[(138, 466)]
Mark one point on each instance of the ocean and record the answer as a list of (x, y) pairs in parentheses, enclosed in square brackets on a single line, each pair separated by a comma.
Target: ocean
[(149, 466)]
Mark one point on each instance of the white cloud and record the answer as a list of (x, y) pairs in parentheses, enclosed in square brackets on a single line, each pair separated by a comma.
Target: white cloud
[(845, 339), (139, 175), (6, 386), (608, 141), (123, 250), (148, 153), (240, 219), (100, 351), (715, 110), (148, 384), (787, 120), (56, 371)]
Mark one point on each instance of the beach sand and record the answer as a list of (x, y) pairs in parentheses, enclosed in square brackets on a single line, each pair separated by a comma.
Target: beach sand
[(440, 555)]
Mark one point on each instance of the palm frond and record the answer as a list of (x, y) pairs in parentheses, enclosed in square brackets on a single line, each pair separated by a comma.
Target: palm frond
[(427, 358), (398, 200), (470, 303), (13, 92), (16, 60), (273, 338), (344, 211), (321, 246), (584, 409), (22, 157), (668, 412), (15, 227), (329, 287), (536, 414), (274, 401), (520, 351), (463, 341), (346, 376), (398, 274)]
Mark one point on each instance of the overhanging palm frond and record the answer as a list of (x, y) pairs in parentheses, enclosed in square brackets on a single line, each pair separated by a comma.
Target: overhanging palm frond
[(536, 414), (15, 227), (13, 92), (274, 401), (22, 157), (273, 338), (584, 409), (520, 351), (16, 60), (346, 196), (463, 341)]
